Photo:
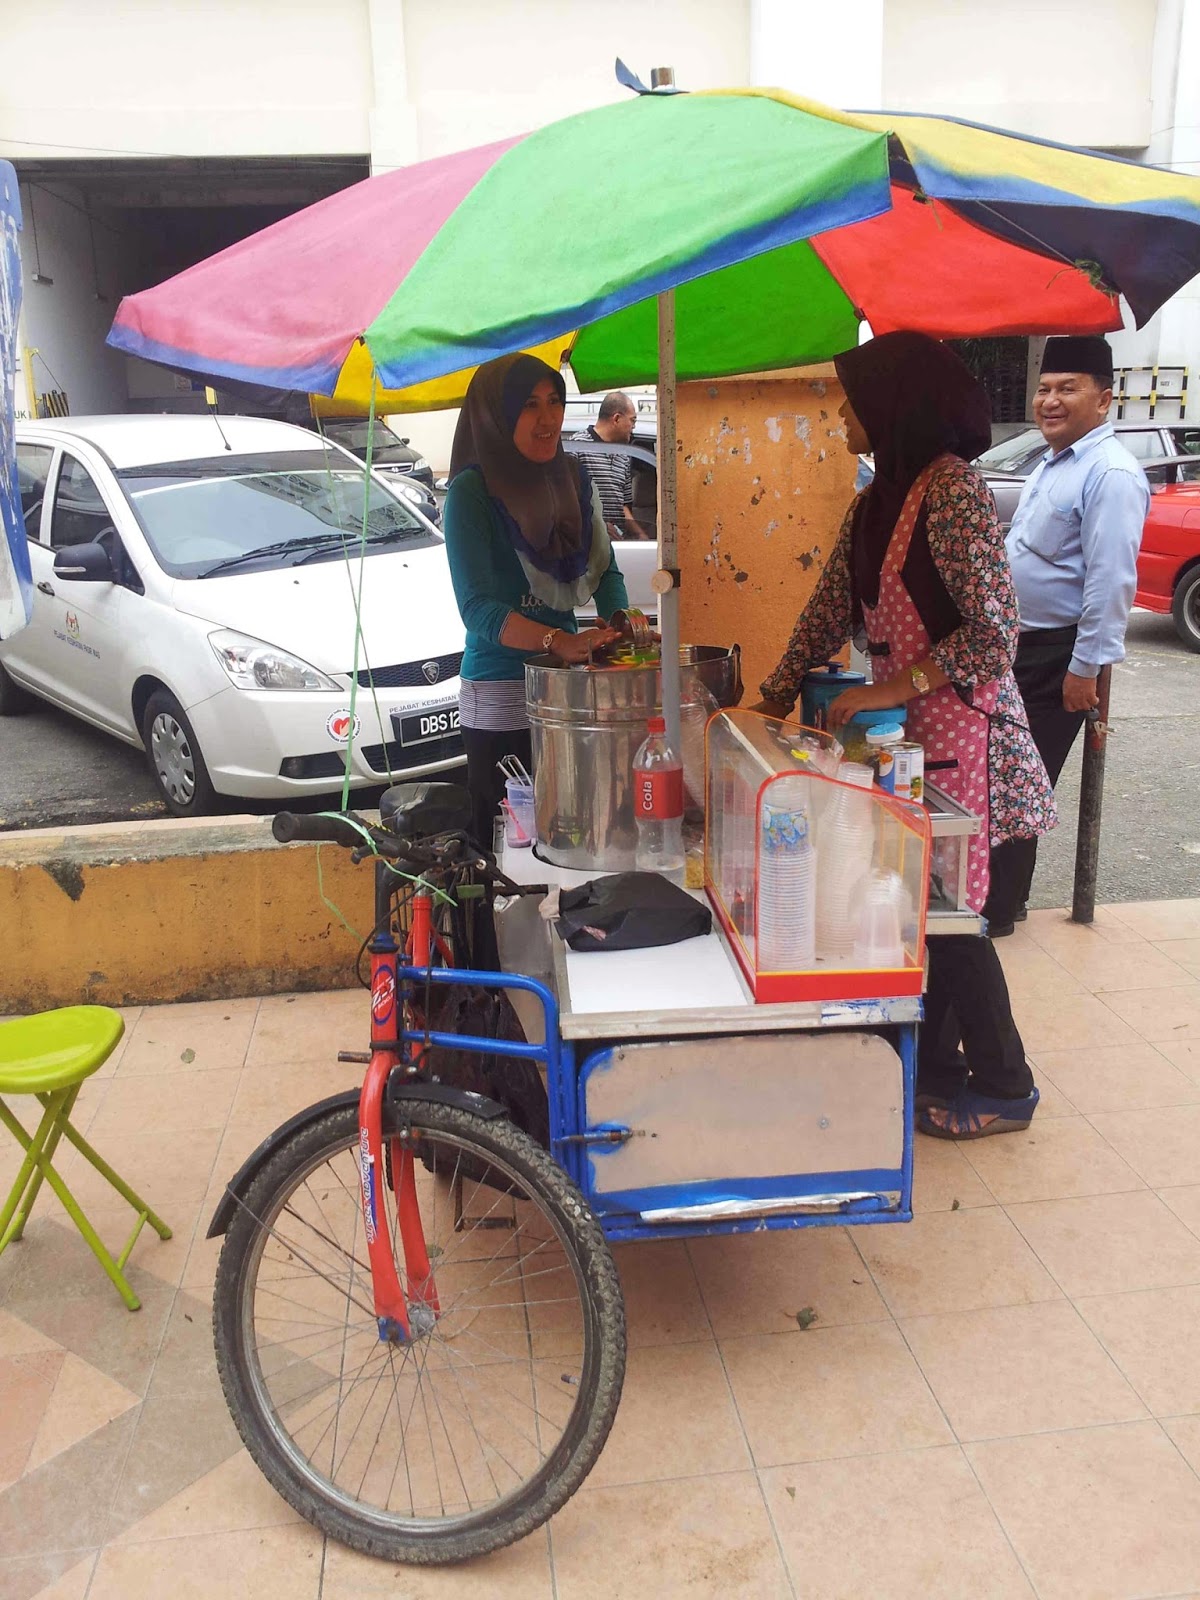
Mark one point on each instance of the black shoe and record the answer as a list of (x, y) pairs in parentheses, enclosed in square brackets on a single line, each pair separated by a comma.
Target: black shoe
[(1022, 914), (1000, 930)]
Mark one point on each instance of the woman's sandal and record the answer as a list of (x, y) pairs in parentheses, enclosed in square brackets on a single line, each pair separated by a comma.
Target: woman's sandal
[(965, 1114), (923, 1101)]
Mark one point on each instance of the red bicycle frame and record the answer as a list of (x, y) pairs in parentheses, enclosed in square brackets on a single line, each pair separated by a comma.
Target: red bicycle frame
[(394, 1311)]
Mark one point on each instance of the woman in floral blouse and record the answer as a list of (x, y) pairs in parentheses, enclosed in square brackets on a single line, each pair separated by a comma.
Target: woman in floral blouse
[(920, 564)]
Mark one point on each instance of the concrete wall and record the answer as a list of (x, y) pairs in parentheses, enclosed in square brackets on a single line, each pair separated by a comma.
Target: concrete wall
[(1172, 337), (134, 913), (64, 319), (764, 482), (186, 77), (410, 79), (1074, 70)]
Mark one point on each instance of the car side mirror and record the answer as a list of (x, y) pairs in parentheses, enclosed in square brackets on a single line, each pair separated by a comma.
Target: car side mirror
[(84, 563)]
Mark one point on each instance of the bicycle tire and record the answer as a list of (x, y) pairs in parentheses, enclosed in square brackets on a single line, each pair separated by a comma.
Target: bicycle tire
[(521, 1377)]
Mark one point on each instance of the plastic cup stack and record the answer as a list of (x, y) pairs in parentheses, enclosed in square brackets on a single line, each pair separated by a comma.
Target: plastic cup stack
[(847, 842), (787, 879)]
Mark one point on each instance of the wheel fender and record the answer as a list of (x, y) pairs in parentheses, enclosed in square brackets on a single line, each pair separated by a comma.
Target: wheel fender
[(245, 1175), (441, 1093)]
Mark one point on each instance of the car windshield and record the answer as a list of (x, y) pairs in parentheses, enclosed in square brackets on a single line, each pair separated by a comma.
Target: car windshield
[(1018, 455), (385, 446), (199, 514)]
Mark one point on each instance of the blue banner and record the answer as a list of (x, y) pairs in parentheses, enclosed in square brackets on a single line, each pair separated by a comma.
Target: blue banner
[(16, 582)]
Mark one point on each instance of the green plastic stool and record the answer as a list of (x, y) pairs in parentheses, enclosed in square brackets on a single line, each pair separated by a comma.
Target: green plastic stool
[(50, 1055)]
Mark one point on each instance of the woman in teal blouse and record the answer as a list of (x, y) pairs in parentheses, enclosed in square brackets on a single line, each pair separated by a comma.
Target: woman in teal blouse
[(527, 543)]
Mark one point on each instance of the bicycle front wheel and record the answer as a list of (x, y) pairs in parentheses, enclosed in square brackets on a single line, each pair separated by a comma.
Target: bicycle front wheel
[(488, 1421)]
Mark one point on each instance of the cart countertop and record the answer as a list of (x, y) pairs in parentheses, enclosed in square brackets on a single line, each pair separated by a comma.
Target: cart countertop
[(693, 987)]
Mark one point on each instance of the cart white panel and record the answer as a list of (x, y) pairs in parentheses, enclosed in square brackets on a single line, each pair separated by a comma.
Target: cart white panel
[(754, 1106)]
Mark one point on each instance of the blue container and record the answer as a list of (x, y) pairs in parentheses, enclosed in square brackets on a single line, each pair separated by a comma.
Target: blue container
[(818, 689)]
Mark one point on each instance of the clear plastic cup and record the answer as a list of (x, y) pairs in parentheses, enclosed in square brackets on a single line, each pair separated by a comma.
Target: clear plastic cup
[(879, 906), (520, 824)]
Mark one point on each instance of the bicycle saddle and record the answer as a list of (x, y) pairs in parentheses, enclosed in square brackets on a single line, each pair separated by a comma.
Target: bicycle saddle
[(421, 810)]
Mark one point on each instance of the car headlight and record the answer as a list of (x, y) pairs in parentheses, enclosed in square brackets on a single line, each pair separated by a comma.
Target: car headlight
[(420, 464), (251, 664)]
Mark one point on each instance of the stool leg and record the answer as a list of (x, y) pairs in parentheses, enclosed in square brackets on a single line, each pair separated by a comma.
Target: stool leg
[(41, 1146), (94, 1242), (118, 1183), (38, 1166)]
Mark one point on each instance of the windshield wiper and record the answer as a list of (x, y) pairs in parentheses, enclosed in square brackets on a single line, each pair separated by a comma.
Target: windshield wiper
[(281, 548), (380, 536)]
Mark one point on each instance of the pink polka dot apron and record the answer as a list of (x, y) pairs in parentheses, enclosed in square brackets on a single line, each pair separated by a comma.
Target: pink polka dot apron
[(949, 730)]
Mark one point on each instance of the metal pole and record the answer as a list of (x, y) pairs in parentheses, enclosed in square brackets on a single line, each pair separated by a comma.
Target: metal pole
[(1091, 798), (666, 579)]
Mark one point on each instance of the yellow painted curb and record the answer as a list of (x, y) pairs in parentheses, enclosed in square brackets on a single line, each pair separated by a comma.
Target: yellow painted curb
[(133, 913)]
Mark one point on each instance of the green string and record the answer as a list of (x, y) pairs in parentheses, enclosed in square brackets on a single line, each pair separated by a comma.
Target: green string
[(357, 596), (328, 903), (418, 880), (359, 643)]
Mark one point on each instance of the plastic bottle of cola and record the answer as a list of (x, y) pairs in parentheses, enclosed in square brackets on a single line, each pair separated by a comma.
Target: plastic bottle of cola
[(658, 805)]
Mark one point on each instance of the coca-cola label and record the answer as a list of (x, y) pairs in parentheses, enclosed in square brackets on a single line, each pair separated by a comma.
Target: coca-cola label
[(659, 793)]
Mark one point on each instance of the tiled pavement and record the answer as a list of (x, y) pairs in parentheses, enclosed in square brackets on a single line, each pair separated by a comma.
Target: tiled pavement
[(1001, 1399)]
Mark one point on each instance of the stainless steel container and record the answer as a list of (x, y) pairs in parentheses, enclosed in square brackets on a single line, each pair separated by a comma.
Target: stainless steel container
[(587, 726)]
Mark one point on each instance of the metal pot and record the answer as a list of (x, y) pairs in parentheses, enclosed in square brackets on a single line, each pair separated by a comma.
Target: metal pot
[(587, 726)]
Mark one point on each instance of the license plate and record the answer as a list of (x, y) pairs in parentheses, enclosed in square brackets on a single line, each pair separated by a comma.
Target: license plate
[(419, 727)]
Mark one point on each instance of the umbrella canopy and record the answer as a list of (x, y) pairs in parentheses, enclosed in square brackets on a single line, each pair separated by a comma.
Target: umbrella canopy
[(779, 222)]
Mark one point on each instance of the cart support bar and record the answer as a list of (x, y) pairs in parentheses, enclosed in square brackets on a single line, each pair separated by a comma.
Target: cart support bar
[(668, 519), (1091, 799)]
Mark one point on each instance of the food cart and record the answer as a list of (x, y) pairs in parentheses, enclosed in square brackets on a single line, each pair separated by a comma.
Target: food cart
[(418, 1320)]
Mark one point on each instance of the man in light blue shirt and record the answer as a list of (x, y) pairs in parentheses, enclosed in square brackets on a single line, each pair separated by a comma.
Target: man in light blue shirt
[(1073, 549)]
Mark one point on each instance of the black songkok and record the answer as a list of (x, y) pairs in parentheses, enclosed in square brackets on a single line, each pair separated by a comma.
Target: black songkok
[(1079, 353)]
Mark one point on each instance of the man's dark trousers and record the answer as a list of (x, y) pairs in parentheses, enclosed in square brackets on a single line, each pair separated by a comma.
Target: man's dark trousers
[(1043, 658)]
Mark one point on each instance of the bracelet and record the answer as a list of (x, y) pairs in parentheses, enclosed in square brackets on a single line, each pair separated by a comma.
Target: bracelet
[(548, 641)]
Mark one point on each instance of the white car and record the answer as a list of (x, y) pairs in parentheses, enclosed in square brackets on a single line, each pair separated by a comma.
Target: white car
[(193, 597)]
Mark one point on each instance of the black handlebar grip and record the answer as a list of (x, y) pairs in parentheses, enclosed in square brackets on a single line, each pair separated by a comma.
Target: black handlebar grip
[(288, 827)]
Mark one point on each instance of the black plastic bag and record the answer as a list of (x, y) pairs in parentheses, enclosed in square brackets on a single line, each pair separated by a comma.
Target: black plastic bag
[(629, 911)]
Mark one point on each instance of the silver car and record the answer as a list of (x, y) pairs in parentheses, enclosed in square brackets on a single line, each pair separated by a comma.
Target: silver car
[(1007, 465)]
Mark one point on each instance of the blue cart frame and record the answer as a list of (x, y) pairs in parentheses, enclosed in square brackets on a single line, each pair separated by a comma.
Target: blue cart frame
[(577, 1147)]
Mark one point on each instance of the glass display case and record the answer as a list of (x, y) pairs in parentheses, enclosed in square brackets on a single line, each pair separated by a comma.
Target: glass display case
[(820, 883)]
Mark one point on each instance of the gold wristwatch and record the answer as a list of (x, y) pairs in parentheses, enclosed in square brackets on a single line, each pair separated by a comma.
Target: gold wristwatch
[(919, 680)]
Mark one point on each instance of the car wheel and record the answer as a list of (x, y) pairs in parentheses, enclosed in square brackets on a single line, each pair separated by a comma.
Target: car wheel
[(176, 764), (1185, 608), (13, 699)]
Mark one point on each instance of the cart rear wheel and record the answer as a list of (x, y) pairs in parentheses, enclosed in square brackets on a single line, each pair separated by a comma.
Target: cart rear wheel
[(482, 1427)]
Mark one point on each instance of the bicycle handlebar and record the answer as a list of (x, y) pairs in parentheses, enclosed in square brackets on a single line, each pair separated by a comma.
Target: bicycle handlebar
[(288, 827), (353, 832)]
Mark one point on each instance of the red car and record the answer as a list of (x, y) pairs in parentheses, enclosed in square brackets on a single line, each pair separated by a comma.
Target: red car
[(1168, 567)]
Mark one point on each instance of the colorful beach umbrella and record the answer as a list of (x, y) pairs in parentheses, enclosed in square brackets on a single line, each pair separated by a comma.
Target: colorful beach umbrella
[(779, 223)]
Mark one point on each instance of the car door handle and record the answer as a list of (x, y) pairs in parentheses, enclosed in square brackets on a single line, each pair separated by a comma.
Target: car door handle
[(45, 588)]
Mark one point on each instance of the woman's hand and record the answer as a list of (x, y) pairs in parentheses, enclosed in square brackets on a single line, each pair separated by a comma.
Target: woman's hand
[(867, 697), (576, 647)]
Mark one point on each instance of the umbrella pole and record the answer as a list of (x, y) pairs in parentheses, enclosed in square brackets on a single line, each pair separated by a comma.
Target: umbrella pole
[(666, 581)]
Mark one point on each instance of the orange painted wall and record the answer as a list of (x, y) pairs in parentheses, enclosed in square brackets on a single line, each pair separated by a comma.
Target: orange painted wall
[(764, 482)]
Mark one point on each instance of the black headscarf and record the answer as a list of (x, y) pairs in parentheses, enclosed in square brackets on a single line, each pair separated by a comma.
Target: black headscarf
[(542, 498), (916, 400)]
